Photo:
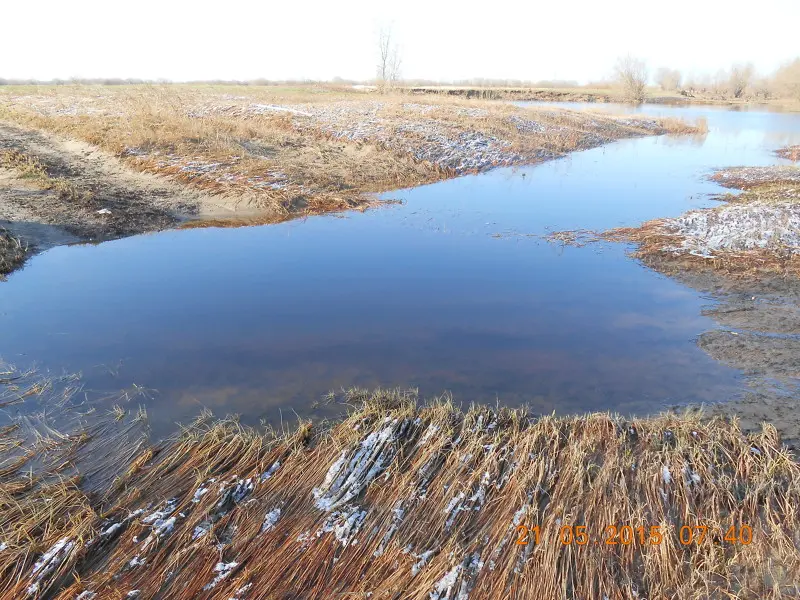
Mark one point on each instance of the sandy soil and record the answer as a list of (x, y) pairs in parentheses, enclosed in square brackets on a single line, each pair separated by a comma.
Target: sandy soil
[(115, 200)]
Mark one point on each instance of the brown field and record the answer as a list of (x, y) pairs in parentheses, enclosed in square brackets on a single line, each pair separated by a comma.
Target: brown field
[(284, 152), (397, 500)]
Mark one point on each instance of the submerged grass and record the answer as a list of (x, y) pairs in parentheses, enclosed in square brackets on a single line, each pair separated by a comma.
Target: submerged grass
[(13, 252), (404, 501)]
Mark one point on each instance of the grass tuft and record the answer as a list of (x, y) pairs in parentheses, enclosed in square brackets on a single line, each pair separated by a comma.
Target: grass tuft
[(31, 168)]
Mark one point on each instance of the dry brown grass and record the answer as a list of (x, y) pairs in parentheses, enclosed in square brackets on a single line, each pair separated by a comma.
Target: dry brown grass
[(401, 501), (224, 141), (651, 239), (31, 168), (789, 152), (13, 252)]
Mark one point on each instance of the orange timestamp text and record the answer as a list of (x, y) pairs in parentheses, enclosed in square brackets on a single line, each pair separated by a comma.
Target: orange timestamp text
[(627, 535)]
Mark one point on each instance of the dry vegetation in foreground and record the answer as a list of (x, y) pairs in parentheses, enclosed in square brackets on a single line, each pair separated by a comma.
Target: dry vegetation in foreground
[(302, 151), (13, 252), (756, 232), (394, 501)]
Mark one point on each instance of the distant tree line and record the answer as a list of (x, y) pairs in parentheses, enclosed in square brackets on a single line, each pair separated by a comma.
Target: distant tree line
[(740, 81), (630, 74)]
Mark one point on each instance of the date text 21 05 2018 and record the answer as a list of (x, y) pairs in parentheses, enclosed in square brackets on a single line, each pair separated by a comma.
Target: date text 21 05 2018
[(626, 535)]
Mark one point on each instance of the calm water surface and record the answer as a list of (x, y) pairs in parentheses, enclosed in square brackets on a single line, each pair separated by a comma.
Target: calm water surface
[(449, 291)]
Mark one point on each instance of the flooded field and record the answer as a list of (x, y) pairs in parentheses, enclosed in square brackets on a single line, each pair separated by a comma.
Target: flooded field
[(452, 290)]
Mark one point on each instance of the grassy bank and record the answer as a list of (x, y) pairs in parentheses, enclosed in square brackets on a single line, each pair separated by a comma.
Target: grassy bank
[(288, 152), (400, 500), (755, 232)]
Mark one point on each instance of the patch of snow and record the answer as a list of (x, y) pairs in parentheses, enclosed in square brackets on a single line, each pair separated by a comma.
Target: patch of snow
[(397, 518), (271, 471), (49, 562), (223, 571), (241, 592), (161, 529), (136, 561), (356, 468), (111, 531), (665, 475), (735, 227), (424, 559), (344, 524), (271, 519), (160, 515), (201, 530), (261, 109)]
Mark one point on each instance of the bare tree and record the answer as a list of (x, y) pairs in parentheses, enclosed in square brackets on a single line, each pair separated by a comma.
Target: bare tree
[(631, 73), (668, 79), (740, 79), (787, 80), (389, 60)]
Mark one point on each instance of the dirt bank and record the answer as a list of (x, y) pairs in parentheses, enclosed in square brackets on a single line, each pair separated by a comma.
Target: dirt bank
[(518, 94), (69, 191), (13, 252)]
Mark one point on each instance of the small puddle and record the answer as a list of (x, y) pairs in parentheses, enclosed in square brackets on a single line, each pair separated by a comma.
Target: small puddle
[(450, 291)]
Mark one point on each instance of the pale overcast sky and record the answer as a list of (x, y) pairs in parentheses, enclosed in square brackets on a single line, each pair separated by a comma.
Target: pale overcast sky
[(442, 40)]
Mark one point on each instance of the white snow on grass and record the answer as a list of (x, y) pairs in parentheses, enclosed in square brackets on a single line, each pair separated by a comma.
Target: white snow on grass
[(735, 227), (665, 475), (49, 562), (260, 109), (223, 571), (271, 471), (344, 524), (357, 467), (270, 520)]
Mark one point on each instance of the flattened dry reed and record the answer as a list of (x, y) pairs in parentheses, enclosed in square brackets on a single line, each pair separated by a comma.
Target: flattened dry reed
[(398, 501)]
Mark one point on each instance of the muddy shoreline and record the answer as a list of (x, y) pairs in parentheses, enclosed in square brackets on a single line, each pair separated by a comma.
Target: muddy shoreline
[(110, 200), (745, 257)]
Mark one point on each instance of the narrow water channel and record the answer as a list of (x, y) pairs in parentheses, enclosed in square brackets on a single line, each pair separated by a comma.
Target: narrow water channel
[(451, 291)]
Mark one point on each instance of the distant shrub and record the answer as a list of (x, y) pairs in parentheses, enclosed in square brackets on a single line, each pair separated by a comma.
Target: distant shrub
[(631, 73), (668, 79), (787, 79), (741, 77)]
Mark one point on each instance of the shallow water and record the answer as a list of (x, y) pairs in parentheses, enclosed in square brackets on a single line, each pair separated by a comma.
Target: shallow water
[(449, 291)]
